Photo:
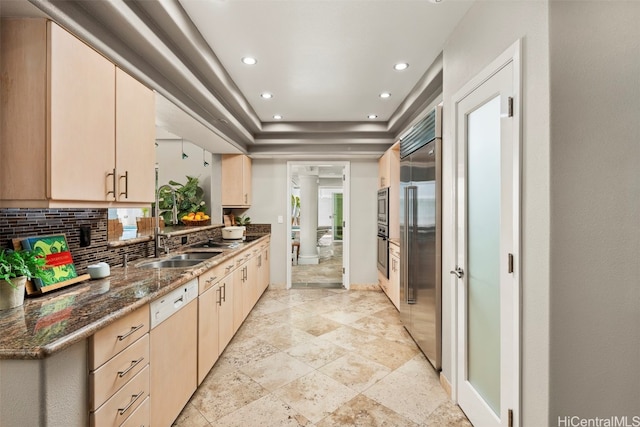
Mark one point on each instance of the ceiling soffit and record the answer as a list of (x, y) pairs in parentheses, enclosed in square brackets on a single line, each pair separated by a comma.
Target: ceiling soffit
[(156, 42)]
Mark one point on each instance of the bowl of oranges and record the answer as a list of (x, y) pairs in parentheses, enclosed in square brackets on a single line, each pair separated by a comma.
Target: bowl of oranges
[(196, 218)]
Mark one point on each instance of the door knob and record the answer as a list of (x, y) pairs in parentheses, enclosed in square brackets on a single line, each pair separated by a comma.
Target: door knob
[(458, 272)]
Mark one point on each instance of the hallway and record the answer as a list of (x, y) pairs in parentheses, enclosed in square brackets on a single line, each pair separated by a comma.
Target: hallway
[(321, 357)]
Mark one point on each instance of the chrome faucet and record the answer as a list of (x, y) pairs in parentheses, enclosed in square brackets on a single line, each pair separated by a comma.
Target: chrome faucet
[(174, 208), (160, 240)]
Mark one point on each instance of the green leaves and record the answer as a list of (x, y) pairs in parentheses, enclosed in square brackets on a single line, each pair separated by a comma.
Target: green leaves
[(21, 263), (189, 197), (243, 220)]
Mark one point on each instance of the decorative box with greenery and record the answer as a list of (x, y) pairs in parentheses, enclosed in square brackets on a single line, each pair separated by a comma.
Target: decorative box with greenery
[(15, 268)]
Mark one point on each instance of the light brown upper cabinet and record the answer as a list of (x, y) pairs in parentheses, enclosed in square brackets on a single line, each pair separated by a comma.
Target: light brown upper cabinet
[(389, 167), (63, 136), (135, 140), (389, 176), (236, 181)]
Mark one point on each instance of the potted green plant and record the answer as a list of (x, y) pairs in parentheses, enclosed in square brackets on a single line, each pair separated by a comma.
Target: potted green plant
[(15, 268), (181, 199), (243, 221)]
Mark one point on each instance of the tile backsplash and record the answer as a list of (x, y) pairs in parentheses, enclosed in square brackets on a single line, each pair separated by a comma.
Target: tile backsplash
[(18, 223)]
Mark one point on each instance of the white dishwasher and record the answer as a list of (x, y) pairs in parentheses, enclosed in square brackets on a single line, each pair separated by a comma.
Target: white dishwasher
[(173, 353)]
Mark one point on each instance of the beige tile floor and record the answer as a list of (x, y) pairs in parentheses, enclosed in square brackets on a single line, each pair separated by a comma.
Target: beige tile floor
[(323, 358), (327, 271)]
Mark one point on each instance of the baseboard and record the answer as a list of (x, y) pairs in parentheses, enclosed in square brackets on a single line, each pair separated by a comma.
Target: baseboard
[(353, 287), (446, 385), (365, 287)]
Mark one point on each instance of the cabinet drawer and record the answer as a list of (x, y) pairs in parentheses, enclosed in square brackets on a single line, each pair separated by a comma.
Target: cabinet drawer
[(209, 278), (117, 409), (227, 266), (110, 377), (140, 417), (107, 342)]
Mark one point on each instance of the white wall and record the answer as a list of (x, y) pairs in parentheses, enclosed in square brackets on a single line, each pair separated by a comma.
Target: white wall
[(269, 193), (171, 166), (485, 32), (595, 209)]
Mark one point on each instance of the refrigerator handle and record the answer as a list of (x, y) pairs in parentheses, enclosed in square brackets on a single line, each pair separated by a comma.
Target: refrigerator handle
[(404, 267), (411, 213)]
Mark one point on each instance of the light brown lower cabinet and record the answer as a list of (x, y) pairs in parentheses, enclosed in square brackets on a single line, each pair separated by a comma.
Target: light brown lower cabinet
[(393, 290), (225, 312), (238, 290), (141, 417), (119, 369), (209, 304), (122, 404), (391, 285)]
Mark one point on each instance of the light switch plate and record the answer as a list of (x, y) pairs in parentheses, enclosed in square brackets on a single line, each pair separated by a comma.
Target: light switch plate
[(280, 219)]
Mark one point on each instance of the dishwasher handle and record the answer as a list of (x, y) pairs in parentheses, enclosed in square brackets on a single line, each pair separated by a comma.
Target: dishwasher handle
[(178, 302)]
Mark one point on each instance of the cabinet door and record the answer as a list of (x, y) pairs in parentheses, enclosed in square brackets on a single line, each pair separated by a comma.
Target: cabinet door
[(225, 313), (246, 180), (135, 140), (247, 289), (253, 279), (394, 281), (236, 180), (23, 67), (82, 116), (237, 299), (266, 268), (208, 350), (383, 170)]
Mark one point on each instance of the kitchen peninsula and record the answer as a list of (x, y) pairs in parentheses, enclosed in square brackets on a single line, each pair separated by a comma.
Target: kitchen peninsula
[(49, 348)]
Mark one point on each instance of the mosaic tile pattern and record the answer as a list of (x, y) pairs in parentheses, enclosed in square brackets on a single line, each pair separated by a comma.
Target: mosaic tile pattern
[(22, 222), (322, 358)]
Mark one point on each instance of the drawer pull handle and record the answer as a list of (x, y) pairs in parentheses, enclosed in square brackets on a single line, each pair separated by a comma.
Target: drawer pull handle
[(134, 363), (134, 397), (219, 300), (133, 330), (224, 293)]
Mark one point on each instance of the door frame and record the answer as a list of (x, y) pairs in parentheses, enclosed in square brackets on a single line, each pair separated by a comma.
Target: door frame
[(346, 197), (511, 55)]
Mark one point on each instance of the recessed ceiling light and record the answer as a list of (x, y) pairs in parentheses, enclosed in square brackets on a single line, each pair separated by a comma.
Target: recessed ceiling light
[(249, 60), (385, 95), (372, 116), (277, 117), (266, 95), (401, 66)]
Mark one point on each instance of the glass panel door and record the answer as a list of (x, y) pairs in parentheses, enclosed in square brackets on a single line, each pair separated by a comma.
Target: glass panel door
[(483, 251)]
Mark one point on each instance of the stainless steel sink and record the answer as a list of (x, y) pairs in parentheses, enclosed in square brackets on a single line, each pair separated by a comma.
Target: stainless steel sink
[(171, 263), (196, 255)]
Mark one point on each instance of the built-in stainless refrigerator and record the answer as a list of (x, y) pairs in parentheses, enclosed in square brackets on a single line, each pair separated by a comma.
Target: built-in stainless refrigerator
[(420, 235)]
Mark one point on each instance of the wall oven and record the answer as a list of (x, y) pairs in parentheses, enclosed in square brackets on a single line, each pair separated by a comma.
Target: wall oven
[(383, 206), (383, 250)]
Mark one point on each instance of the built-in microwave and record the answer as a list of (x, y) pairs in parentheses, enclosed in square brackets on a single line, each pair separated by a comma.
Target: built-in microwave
[(383, 206)]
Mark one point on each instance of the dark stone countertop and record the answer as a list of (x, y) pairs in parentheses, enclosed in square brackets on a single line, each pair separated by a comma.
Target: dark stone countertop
[(52, 322)]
